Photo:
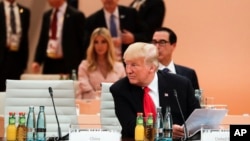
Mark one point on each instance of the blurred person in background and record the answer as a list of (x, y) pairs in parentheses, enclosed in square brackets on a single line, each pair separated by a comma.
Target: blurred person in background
[(123, 22), (60, 47), (73, 3), (151, 12), (165, 40), (100, 65), (14, 47)]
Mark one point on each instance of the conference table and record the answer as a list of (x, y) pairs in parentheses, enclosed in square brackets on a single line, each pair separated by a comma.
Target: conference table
[(3, 139), (93, 121), (125, 139)]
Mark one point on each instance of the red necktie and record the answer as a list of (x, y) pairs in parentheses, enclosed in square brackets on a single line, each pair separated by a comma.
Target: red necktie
[(148, 104), (53, 26)]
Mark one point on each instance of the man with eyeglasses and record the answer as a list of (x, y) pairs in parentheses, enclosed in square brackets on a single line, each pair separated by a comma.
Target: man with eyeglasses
[(165, 40)]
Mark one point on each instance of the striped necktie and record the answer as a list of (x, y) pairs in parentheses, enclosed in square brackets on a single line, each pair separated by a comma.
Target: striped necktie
[(12, 19)]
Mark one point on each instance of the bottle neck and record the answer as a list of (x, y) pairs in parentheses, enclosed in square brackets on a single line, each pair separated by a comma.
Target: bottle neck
[(41, 109), (168, 109), (31, 110)]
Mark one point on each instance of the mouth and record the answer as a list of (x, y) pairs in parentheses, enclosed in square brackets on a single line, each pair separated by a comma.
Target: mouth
[(131, 77)]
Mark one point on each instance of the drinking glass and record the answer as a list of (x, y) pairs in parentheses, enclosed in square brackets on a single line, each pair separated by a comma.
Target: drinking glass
[(209, 102), (77, 109)]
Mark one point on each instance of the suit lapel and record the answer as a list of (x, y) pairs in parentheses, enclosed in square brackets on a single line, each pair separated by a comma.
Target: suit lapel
[(137, 91), (21, 14), (66, 17), (165, 90), (137, 94), (101, 19), (46, 23), (178, 69), (2, 16), (122, 17)]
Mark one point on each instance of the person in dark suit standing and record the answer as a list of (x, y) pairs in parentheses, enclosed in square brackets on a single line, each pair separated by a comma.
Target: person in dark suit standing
[(60, 48), (73, 3), (151, 12), (123, 23), (141, 61), (165, 39), (14, 48)]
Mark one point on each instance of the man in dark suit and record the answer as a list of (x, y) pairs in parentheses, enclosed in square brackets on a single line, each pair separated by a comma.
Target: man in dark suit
[(151, 12), (165, 39), (142, 71), (60, 48), (13, 40), (128, 27), (73, 3)]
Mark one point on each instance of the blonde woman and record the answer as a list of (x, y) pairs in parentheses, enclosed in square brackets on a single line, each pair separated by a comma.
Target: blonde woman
[(101, 65)]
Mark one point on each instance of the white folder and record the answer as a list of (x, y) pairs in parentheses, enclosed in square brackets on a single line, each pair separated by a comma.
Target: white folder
[(211, 118)]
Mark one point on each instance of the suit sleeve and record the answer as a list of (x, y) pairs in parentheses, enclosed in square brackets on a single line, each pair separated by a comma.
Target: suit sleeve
[(43, 40), (193, 103), (24, 46), (81, 32), (141, 33), (195, 82), (124, 112), (155, 15)]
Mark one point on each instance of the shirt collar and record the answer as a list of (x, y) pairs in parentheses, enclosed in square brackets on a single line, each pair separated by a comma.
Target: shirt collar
[(153, 86), (7, 4), (62, 8), (170, 66), (115, 13)]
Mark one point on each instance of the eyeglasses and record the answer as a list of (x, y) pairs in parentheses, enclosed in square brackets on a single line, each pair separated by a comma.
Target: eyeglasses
[(160, 42)]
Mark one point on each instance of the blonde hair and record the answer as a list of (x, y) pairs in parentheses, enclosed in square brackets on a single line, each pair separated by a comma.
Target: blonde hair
[(140, 49), (91, 53)]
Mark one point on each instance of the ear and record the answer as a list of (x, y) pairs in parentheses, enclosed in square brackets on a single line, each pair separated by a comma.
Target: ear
[(174, 45), (152, 68)]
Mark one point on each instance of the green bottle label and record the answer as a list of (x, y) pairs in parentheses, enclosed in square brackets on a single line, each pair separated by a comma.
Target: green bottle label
[(12, 120), (150, 121), (140, 121), (22, 120)]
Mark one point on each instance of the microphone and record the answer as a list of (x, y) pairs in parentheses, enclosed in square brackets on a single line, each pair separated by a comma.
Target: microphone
[(59, 128), (182, 116)]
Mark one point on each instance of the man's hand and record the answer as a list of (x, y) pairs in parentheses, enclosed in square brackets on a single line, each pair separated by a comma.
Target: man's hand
[(127, 37), (178, 131), (35, 67)]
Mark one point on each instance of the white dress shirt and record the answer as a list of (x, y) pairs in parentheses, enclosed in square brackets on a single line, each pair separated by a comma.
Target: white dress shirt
[(154, 91), (17, 19), (107, 16), (60, 19), (170, 67)]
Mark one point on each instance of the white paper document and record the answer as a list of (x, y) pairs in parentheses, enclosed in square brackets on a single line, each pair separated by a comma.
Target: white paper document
[(211, 118)]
